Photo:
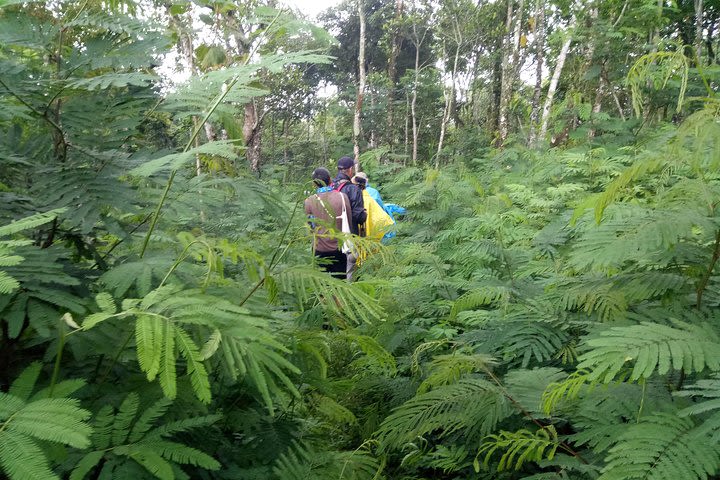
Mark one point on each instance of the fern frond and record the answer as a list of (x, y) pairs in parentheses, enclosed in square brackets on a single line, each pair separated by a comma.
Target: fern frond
[(526, 387), (24, 384), (485, 295), (23, 459), (124, 418), (652, 347), (474, 406), (657, 69), (304, 462), (54, 419), (182, 454), (449, 368), (86, 464), (662, 446), (152, 462), (30, 222), (706, 389), (519, 447), (195, 368), (148, 417), (564, 390), (344, 299)]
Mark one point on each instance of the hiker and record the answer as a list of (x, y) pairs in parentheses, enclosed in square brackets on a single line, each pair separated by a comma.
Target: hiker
[(378, 221), (325, 210), (362, 178), (346, 170)]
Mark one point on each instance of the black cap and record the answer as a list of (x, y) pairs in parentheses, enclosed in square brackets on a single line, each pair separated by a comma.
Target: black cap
[(321, 177), (346, 162)]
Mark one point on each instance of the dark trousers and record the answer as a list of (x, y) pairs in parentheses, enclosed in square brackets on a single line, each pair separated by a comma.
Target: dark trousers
[(334, 262)]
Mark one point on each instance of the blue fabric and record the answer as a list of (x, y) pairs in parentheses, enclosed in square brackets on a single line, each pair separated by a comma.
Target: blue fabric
[(393, 209), (323, 190), (375, 195)]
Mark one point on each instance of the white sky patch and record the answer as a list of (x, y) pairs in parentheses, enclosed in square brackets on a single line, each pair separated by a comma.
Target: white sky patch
[(311, 8)]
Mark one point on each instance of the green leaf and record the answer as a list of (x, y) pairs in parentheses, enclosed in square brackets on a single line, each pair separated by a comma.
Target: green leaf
[(22, 459)]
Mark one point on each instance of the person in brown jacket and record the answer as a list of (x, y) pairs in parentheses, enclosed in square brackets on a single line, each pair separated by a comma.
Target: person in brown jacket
[(325, 209)]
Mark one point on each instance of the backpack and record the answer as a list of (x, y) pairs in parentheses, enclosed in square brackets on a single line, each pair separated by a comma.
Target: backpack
[(339, 186)]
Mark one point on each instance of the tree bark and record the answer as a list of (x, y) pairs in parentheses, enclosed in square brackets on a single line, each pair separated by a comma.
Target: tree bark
[(449, 97), (554, 82), (698, 29), (539, 59), (251, 136), (361, 83), (413, 102), (509, 67), (396, 44)]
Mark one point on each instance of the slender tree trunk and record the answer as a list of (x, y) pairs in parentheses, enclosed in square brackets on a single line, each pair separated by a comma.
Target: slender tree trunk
[(554, 82), (414, 101), (361, 83), (373, 133), (392, 71), (449, 98), (698, 29), (539, 59), (505, 75), (597, 104), (510, 66), (407, 125), (251, 136)]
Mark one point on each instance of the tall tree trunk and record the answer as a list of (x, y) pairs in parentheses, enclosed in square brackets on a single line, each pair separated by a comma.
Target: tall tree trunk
[(698, 29), (407, 125), (539, 59), (511, 53), (554, 82), (396, 44), (414, 99), (251, 136), (449, 97), (361, 83)]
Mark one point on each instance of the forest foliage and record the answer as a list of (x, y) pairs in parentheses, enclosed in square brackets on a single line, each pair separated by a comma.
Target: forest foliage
[(548, 310)]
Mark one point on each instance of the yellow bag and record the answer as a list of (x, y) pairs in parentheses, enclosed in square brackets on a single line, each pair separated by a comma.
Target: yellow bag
[(378, 221)]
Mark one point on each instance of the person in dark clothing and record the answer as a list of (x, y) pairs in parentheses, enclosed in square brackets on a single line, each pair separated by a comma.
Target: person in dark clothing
[(325, 209), (346, 170), (342, 183)]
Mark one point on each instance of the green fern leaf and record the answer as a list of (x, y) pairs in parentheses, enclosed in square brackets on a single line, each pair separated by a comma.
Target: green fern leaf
[(124, 417), (474, 406), (662, 447), (31, 222), (152, 462), (149, 344), (148, 417), (86, 464), (344, 299), (519, 447), (22, 459), (168, 376), (103, 427), (652, 347), (54, 419), (9, 405), (24, 384), (182, 454), (195, 368), (707, 389)]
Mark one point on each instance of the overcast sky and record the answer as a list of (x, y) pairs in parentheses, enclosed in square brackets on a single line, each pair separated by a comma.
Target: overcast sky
[(311, 7)]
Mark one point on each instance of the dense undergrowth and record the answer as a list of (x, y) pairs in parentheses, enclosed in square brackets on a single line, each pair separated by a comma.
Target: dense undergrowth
[(541, 314)]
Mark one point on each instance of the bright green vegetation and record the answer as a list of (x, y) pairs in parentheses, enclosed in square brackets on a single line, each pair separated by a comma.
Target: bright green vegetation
[(544, 313)]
